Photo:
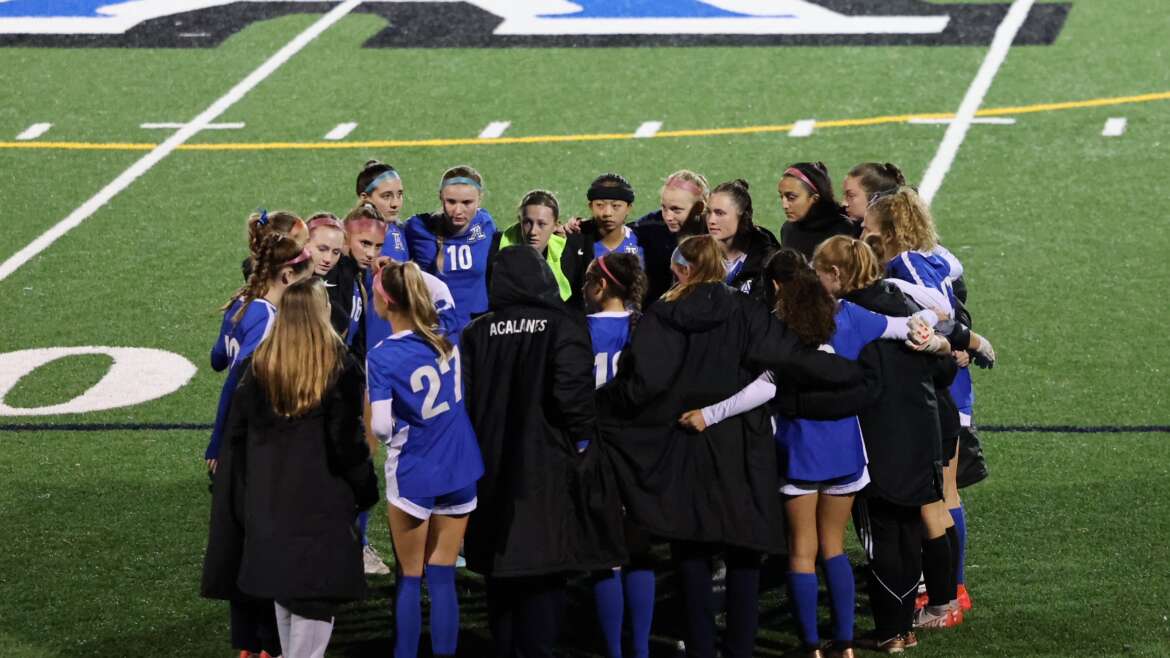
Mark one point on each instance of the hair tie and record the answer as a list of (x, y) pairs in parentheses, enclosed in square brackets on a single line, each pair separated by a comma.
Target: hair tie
[(684, 185), (798, 174), (460, 180), (263, 221), (299, 258), (609, 275), (380, 291), (389, 174), (679, 259)]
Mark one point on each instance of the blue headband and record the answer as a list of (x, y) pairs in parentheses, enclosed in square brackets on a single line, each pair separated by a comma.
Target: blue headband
[(678, 259), (460, 180), (389, 174)]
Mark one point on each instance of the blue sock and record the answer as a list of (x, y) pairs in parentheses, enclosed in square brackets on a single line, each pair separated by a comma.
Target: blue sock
[(363, 521), (802, 588), (639, 587), (607, 595), (407, 617), (444, 609), (839, 573), (960, 516)]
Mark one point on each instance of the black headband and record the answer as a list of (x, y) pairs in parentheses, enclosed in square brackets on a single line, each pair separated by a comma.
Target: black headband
[(607, 189)]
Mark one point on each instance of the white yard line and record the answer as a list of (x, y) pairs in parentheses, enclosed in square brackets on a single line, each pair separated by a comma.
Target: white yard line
[(648, 129), (34, 131), (803, 128), (1005, 34), (175, 126), (148, 161), (495, 129), (341, 131), (1114, 127)]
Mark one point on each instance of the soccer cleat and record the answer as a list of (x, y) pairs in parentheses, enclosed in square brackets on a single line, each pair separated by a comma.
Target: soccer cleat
[(372, 562), (964, 598), (836, 651), (910, 639), (920, 601), (894, 644), (938, 617)]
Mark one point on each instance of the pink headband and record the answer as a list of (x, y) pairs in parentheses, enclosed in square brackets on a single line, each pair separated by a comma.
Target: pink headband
[(364, 225), (380, 291), (299, 258), (796, 173), (331, 222), (684, 185), (608, 274)]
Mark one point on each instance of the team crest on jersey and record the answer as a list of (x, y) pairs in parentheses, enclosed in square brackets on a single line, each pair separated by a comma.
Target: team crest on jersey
[(398, 244), (476, 234), (533, 23)]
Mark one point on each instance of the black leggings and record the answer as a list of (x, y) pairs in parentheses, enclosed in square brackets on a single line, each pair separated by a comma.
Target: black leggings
[(253, 626), (525, 614), (693, 561), (892, 537)]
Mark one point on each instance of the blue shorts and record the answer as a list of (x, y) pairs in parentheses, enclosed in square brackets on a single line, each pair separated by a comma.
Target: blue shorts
[(455, 503)]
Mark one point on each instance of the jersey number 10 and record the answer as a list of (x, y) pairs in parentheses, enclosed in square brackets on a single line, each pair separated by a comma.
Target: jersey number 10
[(604, 368), (427, 377), (459, 256)]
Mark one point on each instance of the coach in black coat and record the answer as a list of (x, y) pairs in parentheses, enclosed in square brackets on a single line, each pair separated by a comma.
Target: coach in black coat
[(543, 507), (287, 492), (720, 486)]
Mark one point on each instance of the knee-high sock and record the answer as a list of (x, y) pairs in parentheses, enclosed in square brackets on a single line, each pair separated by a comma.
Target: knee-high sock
[(610, 603), (639, 591), (743, 603), (959, 514), (407, 617), (363, 523), (694, 570), (953, 540), (802, 588), (938, 570), (444, 609), (843, 595)]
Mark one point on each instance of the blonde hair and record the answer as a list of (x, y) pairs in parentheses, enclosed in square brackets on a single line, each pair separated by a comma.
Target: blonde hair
[(904, 222), (856, 262), (302, 356), (705, 262), (405, 291)]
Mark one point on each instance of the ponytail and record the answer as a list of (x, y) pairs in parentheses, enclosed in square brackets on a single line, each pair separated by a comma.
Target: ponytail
[(855, 261), (274, 252), (402, 288)]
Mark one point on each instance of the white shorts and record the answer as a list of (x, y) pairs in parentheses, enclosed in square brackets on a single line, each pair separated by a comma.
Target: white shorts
[(454, 503), (834, 489)]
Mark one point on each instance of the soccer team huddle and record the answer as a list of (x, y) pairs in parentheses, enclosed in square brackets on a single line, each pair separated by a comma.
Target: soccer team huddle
[(564, 399)]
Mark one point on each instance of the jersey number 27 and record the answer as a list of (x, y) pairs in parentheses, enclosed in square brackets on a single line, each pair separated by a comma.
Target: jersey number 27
[(429, 378)]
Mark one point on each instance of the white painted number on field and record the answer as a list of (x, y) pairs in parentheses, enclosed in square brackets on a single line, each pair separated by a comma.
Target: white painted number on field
[(803, 128), (137, 375), (1114, 127), (341, 131), (648, 129), (495, 129), (34, 131)]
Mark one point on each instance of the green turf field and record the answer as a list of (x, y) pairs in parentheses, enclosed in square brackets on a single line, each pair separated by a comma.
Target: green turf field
[(1062, 232)]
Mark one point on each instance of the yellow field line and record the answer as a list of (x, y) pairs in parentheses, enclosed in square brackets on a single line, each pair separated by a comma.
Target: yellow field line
[(597, 137)]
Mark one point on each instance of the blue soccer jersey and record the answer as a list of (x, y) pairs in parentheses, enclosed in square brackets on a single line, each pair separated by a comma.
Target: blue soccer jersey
[(462, 265), (610, 332), (824, 450), (417, 404), (396, 248), (628, 245), (236, 342), (378, 331)]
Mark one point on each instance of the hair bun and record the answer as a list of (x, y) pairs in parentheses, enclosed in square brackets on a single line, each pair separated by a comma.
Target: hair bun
[(742, 183), (371, 163), (894, 172)]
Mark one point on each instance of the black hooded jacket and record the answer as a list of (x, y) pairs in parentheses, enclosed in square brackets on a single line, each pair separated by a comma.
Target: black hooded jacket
[(658, 245), (822, 222), (720, 485), (528, 376), (750, 280)]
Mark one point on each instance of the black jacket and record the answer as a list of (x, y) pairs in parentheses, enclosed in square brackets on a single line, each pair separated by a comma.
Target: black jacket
[(750, 279), (574, 261), (528, 376), (286, 495), (658, 245), (821, 223), (720, 485)]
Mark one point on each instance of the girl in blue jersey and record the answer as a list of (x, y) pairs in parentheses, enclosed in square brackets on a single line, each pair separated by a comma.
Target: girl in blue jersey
[(611, 198), (278, 261), (909, 242), (380, 185), (614, 288), (416, 396), (824, 461), (455, 242)]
